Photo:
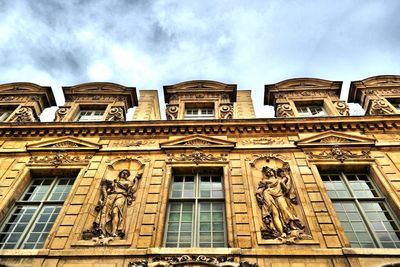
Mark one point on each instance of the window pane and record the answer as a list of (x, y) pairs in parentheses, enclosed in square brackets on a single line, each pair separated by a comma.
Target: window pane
[(180, 225)]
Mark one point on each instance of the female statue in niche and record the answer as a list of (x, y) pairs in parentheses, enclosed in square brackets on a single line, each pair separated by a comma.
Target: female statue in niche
[(116, 196), (275, 196)]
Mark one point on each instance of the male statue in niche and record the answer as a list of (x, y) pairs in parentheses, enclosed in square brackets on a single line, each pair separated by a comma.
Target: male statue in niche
[(275, 197), (115, 197)]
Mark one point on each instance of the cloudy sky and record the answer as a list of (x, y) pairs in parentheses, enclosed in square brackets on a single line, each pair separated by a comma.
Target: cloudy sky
[(148, 44)]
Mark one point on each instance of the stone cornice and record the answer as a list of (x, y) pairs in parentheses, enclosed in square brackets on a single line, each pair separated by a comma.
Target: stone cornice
[(236, 126)]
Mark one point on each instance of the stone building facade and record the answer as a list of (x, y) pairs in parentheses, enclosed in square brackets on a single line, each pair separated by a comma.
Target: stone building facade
[(212, 185)]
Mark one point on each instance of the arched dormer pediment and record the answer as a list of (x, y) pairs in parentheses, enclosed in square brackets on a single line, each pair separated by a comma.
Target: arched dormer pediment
[(18, 92)]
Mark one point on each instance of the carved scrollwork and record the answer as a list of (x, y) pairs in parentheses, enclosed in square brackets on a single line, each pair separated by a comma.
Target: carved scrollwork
[(339, 154), (196, 156), (276, 198), (115, 114), (381, 107), (24, 114), (284, 110), (59, 158), (263, 141), (168, 261), (226, 111), (172, 112), (61, 112), (342, 108)]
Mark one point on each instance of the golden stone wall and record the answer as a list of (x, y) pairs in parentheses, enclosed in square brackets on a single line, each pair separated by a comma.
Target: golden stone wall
[(93, 151)]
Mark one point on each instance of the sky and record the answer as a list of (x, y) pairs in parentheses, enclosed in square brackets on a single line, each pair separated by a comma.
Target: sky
[(148, 44)]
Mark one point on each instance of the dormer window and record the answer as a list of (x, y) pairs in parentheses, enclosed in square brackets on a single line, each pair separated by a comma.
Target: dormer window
[(90, 115), (311, 110), (199, 113)]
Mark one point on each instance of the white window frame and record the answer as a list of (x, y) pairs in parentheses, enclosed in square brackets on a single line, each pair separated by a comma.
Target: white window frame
[(309, 110), (199, 113), (90, 115), (35, 218), (358, 201), (196, 202)]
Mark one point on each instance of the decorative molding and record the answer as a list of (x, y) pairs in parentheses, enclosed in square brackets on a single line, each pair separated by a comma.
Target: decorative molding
[(168, 261), (264, 141), (17, 99), (383, 91), (172, 112), (226, 111), (132, 143), (60, 158), (339, 154), (313, 93), (61, 112), (267, 157), (330, 138), (116, 114), (106, 98), (63, 144), (284, 111), (197, 156), (197, 141), (24, 114), (380, 107), (342, 108)]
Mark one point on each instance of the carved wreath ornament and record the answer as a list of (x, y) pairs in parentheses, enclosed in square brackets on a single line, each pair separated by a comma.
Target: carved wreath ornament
[(191, 259)]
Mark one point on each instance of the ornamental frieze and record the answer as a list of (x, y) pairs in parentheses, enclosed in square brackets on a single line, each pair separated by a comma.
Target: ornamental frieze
[(60, 158), (339, 154), (263, 141), (169, 261), (312, 93), (132, 143), (197, 156)]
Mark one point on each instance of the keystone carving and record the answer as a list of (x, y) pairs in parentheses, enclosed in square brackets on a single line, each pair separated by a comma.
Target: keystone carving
[(24, 114), (191, 259), (115, 114), (342, 108), (172, 112), (61, 112), (275, 197), (226, 111), (339, 154), (284, 110), (381, 107)]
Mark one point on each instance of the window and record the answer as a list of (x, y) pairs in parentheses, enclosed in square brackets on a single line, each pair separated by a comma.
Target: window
[(362, 210), (4, 113), (199, 113), (90, 115), (196, 212), (310, 110), (34, 214)]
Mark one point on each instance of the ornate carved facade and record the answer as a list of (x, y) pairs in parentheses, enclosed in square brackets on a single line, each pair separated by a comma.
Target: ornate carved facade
[(209, 186)]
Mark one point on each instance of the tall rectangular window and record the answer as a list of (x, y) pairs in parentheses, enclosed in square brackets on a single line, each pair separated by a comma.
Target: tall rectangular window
[(362, 210), (34, 214), (196, 212)]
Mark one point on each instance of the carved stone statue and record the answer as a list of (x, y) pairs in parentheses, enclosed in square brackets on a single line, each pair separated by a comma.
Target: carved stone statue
[(275, 197), (116, 196)]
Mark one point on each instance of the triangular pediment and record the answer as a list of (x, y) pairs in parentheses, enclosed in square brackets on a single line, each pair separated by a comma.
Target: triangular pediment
[(63, 143), (197, 141), (331, 138)]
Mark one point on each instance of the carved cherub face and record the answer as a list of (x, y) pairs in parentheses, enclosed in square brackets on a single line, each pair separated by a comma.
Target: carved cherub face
[(269, 172)]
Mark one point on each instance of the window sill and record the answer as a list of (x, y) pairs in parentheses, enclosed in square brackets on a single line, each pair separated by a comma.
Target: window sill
[(372, 251)]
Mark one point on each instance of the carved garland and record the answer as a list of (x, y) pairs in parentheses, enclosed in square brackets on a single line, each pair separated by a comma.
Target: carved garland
[(339, 154), (24, 114), (187, 259), (263, 141), (284, 110), (59, 158), (196, 156)]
